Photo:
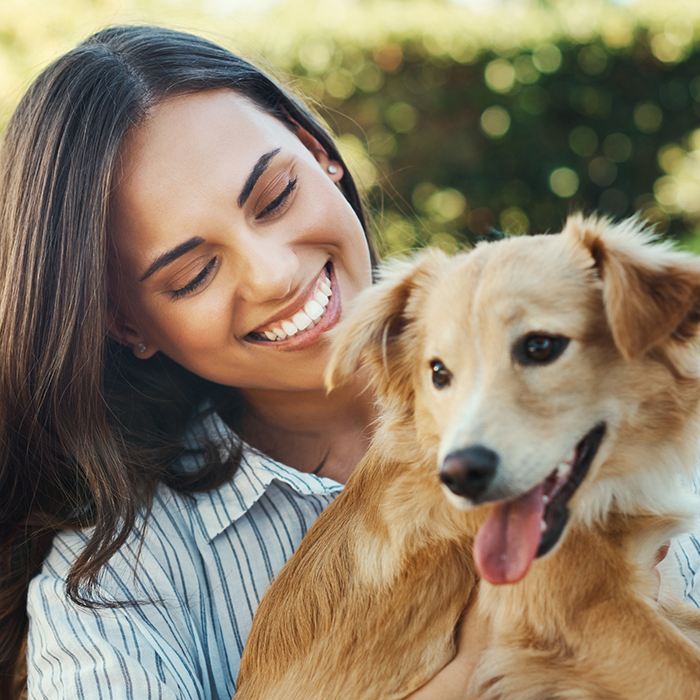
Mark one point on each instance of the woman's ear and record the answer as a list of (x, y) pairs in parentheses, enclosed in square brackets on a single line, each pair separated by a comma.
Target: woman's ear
[(120, 329), (332, 168)]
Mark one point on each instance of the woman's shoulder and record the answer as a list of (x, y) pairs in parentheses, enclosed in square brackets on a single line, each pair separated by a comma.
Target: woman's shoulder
[(184, 585), (264, 502)]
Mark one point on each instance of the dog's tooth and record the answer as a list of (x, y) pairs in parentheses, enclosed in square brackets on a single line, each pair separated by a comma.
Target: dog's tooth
[(326, 288), (280, 333), (270, 335)]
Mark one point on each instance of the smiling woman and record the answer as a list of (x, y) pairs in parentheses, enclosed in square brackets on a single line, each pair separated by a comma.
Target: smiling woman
[(178, 234), (163, 203)]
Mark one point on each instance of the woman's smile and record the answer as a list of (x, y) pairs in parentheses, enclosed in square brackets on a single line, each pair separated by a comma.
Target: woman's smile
[(302, 323)]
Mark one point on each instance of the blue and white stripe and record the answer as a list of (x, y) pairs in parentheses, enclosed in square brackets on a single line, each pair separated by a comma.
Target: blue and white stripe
[(193, 586), (685, 550), (205, 562)]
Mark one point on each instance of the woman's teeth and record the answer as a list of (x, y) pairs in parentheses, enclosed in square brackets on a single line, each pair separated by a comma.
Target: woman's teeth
[(312, 312)]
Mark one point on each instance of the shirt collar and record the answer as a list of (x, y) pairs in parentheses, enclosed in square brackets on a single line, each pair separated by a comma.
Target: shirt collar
[(221, 507)]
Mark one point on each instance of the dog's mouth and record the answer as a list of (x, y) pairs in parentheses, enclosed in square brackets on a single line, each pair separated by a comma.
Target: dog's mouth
[(521, 529)]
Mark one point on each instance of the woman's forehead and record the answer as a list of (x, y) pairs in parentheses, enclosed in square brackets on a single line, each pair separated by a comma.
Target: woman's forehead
[(191, 127)]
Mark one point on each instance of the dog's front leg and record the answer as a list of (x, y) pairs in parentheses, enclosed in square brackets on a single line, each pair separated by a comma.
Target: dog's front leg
[(685, 618), (628, 647), (620, 649)]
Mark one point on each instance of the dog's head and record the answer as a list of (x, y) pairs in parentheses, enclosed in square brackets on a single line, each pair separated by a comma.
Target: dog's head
[(537, 370)]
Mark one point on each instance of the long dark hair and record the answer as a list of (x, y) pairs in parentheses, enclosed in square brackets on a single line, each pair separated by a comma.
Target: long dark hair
[(86, 430)]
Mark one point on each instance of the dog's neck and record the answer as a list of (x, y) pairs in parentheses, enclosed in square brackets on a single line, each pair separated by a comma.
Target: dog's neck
[(643, 480), (557, 590)]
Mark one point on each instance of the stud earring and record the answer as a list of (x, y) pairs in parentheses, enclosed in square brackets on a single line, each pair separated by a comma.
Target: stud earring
[(141, 348), (332, 169)]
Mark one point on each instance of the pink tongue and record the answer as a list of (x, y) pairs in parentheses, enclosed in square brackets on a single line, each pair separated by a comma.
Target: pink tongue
[(507, 542)]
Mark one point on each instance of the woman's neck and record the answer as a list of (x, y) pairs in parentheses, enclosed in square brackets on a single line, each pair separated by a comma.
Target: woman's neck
[(312, 431)]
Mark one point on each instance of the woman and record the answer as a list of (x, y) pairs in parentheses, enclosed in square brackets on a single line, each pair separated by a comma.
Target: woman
[(174, 225), (178, 234)]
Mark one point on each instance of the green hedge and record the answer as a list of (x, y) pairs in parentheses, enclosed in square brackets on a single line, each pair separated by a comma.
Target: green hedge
[(456, 121), (453, 141)]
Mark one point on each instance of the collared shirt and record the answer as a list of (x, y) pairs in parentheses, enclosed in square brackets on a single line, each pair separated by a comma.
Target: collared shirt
[(193, 586), (685, 552)]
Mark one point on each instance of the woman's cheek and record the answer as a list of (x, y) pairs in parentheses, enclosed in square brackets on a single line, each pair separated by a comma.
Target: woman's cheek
[(198, 323)]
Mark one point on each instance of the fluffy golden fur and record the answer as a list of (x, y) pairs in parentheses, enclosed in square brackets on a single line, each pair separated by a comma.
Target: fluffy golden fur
[(366, 608)]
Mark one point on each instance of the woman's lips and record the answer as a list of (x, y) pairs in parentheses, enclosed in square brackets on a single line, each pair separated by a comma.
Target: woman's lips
[(319, 312), (305, 317)]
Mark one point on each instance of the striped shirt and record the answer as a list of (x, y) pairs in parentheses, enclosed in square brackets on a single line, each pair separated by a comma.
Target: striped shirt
[(193, 586), (685, 552)]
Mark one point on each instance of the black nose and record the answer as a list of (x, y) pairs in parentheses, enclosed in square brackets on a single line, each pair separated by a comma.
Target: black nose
[(468, 472)]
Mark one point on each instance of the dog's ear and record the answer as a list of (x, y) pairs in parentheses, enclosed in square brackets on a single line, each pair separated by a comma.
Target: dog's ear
[(376, 329), (650, 291)]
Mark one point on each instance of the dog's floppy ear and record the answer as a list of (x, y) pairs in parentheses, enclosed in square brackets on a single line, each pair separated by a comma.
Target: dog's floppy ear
[(379, 320), (650, 291)]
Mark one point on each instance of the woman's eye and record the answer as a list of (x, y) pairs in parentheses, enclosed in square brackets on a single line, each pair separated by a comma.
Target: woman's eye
[(201, 278), (540, 349), (278, 202)]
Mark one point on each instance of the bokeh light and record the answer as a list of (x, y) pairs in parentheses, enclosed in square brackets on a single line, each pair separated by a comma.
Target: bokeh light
[(564, 182), (602, 171), (583, 140), (455, 119), (495, 122), (500, 75), (547, 58), (648, 116)]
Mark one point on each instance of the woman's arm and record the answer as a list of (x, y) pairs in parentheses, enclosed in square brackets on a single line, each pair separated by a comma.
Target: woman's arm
[(453, 680)]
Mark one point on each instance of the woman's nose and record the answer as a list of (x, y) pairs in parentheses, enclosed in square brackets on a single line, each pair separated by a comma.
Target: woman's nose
[(266, 270)]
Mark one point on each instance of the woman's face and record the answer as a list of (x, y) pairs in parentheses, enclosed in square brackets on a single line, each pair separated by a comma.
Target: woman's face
[(226, 225)]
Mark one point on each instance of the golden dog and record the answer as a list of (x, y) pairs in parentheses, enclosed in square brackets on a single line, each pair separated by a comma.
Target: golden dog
[(549, 385)]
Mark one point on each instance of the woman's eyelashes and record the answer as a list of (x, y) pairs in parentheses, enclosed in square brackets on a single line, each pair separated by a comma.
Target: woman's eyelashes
[(278, 203), (276, 206), (200, 279)]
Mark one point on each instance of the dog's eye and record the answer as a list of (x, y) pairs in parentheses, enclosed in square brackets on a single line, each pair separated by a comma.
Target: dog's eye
[(540, 349), (441, 375)]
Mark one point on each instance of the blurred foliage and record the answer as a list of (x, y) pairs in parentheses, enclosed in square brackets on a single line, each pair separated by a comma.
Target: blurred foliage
[(455, 121)]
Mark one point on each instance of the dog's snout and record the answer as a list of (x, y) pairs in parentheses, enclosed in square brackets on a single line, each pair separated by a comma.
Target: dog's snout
[(469, 471)]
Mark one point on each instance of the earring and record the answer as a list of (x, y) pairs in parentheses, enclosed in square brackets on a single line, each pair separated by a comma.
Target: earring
[(141, 348), (332, 169)]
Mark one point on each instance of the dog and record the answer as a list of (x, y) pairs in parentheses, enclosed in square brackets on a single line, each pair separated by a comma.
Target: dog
[(539, 417)]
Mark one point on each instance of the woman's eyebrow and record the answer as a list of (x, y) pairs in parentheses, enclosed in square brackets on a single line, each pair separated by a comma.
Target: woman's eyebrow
[(174, 254), (258, 169)]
